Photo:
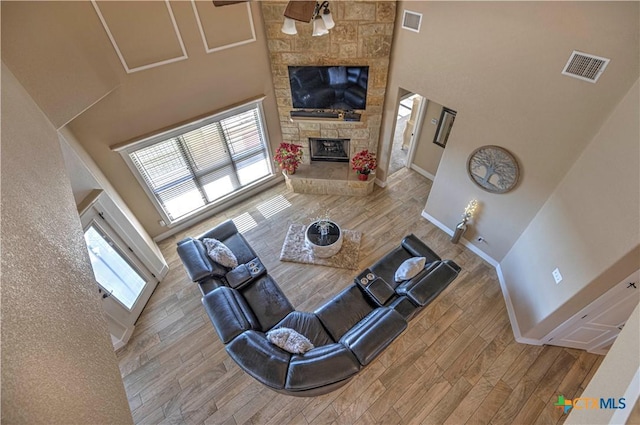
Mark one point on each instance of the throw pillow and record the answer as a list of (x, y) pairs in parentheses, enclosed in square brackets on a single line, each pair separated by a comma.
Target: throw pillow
[(409, 268), (289, 340), (220, 253)]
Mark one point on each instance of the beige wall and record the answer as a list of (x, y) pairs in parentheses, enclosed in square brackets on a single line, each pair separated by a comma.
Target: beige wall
[(58, 365), (58, 55), (149, 100), (589, 223), (428, 154), (499, 66)]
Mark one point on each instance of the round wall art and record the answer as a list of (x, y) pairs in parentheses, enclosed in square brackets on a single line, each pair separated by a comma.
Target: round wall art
[(493, 168)]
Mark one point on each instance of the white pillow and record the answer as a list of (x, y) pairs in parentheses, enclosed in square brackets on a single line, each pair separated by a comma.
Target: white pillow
[(410, 268), (289, 340), (220, 253)]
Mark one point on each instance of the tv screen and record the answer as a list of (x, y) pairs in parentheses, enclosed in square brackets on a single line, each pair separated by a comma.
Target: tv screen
[(329, 87)]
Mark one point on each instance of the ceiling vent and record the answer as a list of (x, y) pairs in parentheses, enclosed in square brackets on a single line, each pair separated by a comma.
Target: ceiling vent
[(411, 20), (585, 67)]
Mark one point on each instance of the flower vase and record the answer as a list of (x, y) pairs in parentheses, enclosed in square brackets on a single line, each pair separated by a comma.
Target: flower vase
[(364, 177), (460, 229), (291, 171)]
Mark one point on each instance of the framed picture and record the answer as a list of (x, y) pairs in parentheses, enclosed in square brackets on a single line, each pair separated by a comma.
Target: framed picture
[(447, 117), (493, 168)]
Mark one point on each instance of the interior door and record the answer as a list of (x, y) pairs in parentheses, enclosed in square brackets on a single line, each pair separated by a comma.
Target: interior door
[(596, 326), (125, 283)]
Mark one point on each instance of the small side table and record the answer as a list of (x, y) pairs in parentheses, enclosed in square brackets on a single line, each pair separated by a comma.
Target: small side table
[(323, 246)]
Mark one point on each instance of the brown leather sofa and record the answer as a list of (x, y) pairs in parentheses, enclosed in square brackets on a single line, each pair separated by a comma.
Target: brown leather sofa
[(348, 332)]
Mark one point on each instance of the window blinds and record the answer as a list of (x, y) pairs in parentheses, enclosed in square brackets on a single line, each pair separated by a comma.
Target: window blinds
[(191, 170)]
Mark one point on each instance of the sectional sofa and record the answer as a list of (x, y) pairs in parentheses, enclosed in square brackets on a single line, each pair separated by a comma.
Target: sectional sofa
[(348, 332)]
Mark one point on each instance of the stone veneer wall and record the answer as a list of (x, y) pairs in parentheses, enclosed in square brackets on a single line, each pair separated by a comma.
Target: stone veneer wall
[(362, 36)]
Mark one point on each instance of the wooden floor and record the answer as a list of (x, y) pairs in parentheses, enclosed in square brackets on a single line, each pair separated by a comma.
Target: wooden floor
[(457, 362)]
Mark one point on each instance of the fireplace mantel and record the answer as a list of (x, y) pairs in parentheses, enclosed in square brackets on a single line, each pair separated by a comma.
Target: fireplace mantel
[(328, 178)]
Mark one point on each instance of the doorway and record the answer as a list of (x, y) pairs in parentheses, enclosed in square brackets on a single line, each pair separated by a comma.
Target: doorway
[(408, 111), (124, 282), (416, 144)]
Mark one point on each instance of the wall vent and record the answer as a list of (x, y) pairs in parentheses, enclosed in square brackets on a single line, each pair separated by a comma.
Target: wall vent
[(411, 20), (584, 66)]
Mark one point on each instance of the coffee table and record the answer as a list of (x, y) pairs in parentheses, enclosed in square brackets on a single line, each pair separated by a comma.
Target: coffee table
[(323, 245)]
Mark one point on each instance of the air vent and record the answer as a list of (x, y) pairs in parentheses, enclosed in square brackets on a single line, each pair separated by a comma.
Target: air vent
[(411, 20), (585, 67)]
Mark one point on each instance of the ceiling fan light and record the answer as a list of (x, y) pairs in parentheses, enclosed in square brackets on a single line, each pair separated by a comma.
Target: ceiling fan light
[(289, 26), (319, 28)]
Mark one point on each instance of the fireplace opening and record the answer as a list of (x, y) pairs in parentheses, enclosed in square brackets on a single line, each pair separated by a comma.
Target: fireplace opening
[(334, 150)]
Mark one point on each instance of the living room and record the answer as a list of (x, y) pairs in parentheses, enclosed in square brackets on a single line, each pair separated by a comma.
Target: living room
[(560, 129)]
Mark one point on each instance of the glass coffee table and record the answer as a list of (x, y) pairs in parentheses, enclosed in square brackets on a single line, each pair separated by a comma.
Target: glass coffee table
[(323, 245)]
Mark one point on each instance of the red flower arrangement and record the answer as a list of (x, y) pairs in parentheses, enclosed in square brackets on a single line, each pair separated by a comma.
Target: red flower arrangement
[(288, 156), (363, 163)]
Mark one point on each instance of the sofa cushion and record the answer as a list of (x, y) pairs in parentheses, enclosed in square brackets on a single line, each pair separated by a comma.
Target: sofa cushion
[(373, 334), (259, 358), (229, 313), (240, 247), (409, 268), (343, 311), (289, 340), (406, 308), (321, 366), (308, 325), (208, 284), (386, 267), (267, 301), (421, 291), (221, 232), (196, 261), (220, 253), (417, 248)]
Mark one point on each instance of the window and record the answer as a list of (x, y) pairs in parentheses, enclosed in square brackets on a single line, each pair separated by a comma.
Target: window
[(193, 166)]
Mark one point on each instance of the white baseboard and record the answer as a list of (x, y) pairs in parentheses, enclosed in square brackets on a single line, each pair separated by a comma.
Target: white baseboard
[(380, 183), (119, 343), (517, 335), (422, 172), (505, 292)]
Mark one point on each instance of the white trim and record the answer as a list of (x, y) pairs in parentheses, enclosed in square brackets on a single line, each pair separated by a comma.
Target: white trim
[(226, 46), (185, 126), (517, 335), (417, 132), (119, 343), (151, 65), (505, 292), (126, 149), (422, 172), (380, 183)]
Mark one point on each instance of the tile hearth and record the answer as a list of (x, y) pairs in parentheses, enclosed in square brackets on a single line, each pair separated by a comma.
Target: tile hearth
[(328, 178)]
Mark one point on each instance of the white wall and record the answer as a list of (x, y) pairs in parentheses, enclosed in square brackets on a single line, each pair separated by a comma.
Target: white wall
[(590, 223)]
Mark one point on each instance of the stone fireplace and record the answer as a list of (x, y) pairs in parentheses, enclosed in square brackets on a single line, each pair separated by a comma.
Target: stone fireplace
[(332, 150), (362, 37)]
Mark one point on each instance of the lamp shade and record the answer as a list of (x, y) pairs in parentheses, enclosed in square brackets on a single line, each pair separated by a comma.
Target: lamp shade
[(327, 18), (289, 26), (319, 28)]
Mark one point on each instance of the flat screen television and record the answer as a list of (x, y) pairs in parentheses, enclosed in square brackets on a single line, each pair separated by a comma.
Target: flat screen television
[(329, 87)]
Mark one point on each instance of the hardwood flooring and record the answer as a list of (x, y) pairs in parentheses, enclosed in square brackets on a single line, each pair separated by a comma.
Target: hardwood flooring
[(457, 362)]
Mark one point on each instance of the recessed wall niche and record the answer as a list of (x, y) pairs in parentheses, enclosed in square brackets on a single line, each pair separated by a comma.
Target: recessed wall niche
[(362, 37)]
